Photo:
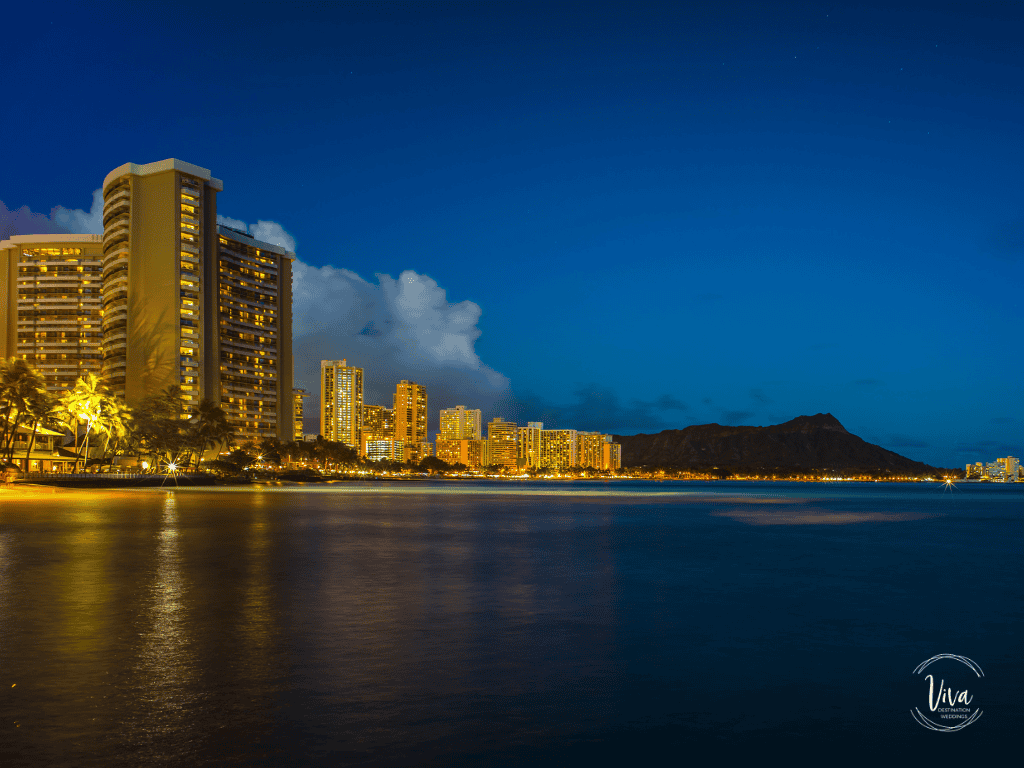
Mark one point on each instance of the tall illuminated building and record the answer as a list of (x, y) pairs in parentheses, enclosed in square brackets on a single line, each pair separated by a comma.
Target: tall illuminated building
[(410, 405), (558, 448), (460, 423), (297, 412), (590, 449), (50, 305), (378, 425), (159, 278), (501, 443), (254, 342), (528, 444), (192, 304), (341, 402), (467, 452)]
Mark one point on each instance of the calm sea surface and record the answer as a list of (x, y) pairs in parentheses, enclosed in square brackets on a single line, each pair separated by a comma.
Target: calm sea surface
[(434, 623)]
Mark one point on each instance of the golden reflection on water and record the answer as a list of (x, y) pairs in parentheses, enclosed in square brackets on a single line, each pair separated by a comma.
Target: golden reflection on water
[(256, 623), (165, 667)]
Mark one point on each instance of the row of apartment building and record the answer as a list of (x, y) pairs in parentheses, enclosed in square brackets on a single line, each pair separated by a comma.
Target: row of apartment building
[(165, 296), (399, 433), (1005, 470)]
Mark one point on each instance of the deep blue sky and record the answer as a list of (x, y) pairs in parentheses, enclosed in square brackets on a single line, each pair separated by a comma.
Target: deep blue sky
[(668, 213)]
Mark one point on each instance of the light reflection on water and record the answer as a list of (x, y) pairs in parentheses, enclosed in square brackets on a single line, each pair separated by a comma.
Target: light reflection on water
[(421, 626)]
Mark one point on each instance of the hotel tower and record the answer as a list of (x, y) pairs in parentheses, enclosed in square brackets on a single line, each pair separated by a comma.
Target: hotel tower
[(50, 305), (341, 402), (192, 304)]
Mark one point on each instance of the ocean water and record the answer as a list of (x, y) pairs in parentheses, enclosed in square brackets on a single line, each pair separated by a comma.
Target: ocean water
[(453, 623)]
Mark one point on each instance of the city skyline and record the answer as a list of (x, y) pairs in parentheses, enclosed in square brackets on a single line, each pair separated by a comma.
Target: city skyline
[(756, 215)]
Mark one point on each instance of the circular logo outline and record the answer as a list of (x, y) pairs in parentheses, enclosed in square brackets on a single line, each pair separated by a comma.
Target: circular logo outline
[(919, 717)]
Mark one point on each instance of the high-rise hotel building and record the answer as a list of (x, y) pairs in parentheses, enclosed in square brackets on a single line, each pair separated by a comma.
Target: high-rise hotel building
[(192, 304), (50, 305), (378, 425), (160, 312), (410, 405), (165, 297), (253, 334), (341, 402)]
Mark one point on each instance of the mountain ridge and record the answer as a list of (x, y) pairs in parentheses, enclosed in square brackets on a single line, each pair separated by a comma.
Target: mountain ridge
[(806, 443)]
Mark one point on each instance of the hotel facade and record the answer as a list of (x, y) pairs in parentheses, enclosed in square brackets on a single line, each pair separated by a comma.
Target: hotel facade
[(51, 305), (178, 301), (341, 402)]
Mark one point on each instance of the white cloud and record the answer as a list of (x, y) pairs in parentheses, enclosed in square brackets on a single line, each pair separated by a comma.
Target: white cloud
[(273, 233), (225, 221), (267, 231), (78, 221), (394, 329), (61, 220)]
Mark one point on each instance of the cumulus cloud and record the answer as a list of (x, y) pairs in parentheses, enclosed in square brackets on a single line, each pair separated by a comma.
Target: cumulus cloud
[(394, 329), (78, 221), (61, 220), (227, 221), (267, 231)]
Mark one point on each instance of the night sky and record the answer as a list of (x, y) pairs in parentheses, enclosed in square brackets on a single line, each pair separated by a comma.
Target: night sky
[(624, 217)]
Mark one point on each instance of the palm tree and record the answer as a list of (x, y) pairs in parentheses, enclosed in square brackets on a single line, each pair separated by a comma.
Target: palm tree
[(44, 409), (19, 386), (85, 403), (209, 428), (160, 429), (114, 421)]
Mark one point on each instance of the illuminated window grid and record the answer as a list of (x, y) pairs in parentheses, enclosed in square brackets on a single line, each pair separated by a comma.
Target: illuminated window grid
[(58, 301)]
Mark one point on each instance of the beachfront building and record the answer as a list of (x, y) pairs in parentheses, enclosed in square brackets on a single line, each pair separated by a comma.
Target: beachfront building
[(42, 451), (392, 450), (50, 305), (467, 452), (254, 342), (558, 449), (378, 424), (1010, 468), (191, 304), (410, 406), (501, 443), (159, 276), (528, 445), (460, 423), (598, 451), (341, 402), (297, 411)]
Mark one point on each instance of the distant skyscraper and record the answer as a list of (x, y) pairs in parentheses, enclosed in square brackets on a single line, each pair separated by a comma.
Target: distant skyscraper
[(501, 443), (378, 424), (558, 448), (590, 449), (528, 444), (598, 451), (460, 423), (50, 305), (297, 395), (341, 402), (468, 452), (410, 405)]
